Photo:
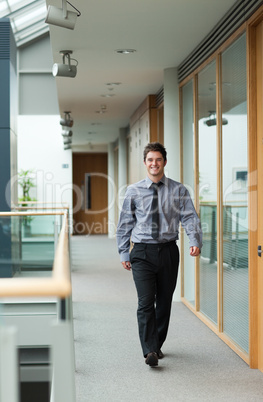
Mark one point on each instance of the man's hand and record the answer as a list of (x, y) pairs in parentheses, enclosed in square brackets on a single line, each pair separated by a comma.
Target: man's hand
[(194, 251), (126, 265)]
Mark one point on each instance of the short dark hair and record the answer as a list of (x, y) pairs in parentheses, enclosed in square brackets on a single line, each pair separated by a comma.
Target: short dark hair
[(154, 147)]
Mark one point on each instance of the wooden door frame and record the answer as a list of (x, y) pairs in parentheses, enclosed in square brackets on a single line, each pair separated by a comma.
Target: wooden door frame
[(253, 187), (80, 216), (250, 28)]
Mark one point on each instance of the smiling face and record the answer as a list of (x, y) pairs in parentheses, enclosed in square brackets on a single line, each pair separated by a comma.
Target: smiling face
[(155, 164)]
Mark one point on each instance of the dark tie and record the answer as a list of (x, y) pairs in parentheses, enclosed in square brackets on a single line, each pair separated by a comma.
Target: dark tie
[(155, 211)]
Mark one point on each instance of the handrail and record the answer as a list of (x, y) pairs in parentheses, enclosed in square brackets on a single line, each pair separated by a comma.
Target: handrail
[(40, 208), (42, 203), (31, 213), (211, 204), (39, 205), (59, 285)]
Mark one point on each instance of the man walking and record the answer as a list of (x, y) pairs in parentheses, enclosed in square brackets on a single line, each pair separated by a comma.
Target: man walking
[(150, 217)]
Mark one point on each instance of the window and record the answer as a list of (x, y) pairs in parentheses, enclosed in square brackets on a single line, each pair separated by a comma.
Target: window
[(220, 290), (27, 18)]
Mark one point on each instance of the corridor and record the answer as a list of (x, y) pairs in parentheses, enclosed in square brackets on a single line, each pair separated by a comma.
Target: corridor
[(110, 367)]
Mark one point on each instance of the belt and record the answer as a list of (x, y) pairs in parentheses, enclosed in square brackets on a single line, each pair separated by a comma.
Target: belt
[(155, 245)]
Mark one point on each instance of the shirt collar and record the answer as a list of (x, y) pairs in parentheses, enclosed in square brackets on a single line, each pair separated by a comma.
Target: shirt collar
[(149, 182)]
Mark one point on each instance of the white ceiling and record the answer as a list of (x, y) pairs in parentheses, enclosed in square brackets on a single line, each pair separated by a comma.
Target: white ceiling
[(163, 33)]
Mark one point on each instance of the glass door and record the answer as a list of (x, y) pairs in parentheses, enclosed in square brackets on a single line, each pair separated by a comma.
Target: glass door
[(207, 134), (235, 193), (259, 84), (188, 281)]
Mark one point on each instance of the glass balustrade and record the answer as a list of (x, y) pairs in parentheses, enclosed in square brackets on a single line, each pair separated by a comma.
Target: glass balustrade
[(36, 306), (27, 242)]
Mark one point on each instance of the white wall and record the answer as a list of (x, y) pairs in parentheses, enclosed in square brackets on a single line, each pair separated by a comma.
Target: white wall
[(40, 147), (172, 137), (111, 191), (37, 86), (171, 123)]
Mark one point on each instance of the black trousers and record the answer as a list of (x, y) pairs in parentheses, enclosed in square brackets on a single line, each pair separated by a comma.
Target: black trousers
[(155, 269)]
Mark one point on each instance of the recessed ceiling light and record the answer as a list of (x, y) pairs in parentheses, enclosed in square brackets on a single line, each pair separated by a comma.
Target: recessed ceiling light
[(125, 51), (108, 95), (112, 84), (103, 109)]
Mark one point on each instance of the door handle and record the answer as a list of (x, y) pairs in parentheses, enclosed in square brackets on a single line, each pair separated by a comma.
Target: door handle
[(259, 251)]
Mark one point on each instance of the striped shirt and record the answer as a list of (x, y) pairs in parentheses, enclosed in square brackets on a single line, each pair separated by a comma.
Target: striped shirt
[(175, 206)]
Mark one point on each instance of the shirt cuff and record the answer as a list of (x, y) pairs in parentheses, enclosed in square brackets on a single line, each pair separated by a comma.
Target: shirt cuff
[(125, 257), (195, 244)]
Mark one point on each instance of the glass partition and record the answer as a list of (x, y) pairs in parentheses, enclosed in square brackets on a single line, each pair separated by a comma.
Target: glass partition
[(235, 193), (208, 188), (27, 242), (38, 240), (221, 287), (188, 180), (9, 246)]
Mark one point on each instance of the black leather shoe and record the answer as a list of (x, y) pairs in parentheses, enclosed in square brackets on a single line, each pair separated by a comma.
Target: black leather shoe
[(160, 354), (152, 359)]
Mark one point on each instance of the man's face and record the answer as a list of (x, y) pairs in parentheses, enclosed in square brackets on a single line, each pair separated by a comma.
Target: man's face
[(155, 165)]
